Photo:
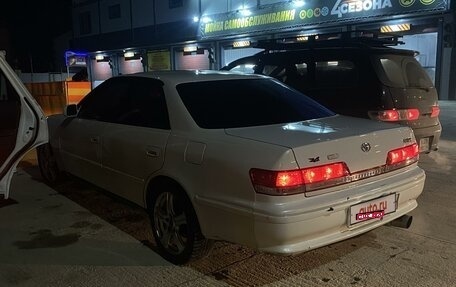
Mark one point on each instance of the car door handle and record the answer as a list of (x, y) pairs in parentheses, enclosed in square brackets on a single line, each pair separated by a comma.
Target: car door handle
[(95, 140), (153, 152)]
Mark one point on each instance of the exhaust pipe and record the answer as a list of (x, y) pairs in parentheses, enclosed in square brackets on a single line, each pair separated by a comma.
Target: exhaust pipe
[(404, 221)]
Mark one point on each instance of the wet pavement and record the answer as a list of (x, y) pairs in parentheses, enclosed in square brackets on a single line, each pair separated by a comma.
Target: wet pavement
[(77, 235)]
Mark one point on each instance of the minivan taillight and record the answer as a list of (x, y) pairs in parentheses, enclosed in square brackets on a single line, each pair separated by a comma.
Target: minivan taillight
[(435, 111), (397, 115)]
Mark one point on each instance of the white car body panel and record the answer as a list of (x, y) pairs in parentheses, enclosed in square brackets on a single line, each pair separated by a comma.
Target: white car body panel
[(213, 165), (30, 131), (323, 140)]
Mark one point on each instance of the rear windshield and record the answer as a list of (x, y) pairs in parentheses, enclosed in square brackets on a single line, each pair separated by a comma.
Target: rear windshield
[(401, 72), (247, 102)]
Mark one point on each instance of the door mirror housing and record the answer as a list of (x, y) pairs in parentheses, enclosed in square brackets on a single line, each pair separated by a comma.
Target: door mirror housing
[(71, 110)]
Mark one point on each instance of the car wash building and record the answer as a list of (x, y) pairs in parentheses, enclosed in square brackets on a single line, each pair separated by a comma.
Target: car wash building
[(126, 36)]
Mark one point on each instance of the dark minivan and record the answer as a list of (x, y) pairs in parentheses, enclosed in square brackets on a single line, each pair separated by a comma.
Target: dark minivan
[(360, 77)]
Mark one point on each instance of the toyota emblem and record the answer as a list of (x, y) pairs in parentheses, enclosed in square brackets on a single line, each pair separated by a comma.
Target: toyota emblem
[(365, 147)]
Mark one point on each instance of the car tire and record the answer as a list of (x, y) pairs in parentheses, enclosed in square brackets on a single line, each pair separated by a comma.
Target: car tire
[(175, 226), (48, 165)]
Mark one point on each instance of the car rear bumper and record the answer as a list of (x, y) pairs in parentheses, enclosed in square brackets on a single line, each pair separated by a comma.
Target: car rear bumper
[(428, 136), (293, 231)]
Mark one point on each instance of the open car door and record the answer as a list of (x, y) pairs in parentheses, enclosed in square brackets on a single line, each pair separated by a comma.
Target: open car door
[(22, 124)]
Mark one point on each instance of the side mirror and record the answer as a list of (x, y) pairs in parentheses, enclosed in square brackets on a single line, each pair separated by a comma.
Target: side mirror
[(71, 110)]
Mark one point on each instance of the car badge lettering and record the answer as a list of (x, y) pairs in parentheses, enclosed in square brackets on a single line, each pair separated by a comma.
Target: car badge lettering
[(314, 159), (407, 140), (333, 156), (365, 147)]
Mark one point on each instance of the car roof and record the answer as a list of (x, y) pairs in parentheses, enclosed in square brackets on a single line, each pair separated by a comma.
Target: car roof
[(279, 55), (185, 76)]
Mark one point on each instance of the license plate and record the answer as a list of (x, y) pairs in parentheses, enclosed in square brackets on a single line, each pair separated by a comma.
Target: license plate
[(373, 209), (424, 144)]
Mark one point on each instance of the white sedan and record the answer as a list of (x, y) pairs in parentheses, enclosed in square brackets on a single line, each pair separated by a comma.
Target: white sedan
[(241, 158)]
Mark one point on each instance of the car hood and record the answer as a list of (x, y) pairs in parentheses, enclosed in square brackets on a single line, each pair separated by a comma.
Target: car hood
[(333, 139)]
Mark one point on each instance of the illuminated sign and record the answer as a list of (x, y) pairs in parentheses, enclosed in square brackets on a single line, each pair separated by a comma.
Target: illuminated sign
[(316, 12), (74, 59), (159, 60)]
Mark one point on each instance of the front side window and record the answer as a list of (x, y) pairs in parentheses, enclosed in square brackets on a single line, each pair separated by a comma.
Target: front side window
[(10, 115), (247, 102), (106, 102), (147, 105)]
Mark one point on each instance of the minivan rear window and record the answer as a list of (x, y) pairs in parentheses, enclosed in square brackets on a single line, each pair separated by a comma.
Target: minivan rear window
[(401, 71), (247, 102)]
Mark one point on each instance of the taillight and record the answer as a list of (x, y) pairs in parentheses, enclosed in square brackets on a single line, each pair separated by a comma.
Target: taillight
[(404, 155), (298, 181), (397, 115), (286, 182), (324, 172), (435, 111)]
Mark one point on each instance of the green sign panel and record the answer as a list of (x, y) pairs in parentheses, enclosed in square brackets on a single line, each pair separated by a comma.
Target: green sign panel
[(314, 12)]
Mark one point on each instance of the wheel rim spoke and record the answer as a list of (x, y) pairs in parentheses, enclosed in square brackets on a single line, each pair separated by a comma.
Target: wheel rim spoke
[(171, 227)]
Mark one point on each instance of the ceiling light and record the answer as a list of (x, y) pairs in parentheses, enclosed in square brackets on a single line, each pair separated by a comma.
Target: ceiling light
[(395, 28), (129, 54)]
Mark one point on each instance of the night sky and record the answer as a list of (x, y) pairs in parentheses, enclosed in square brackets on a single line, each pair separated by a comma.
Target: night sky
[(31, 26)]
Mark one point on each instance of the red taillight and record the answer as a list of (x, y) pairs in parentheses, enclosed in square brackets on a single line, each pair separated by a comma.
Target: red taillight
[(398, 115), (403, 154), (276, 179), (412, 114), (324, 172), (435, 111), (297, 181), (287, 182), (388, 116)]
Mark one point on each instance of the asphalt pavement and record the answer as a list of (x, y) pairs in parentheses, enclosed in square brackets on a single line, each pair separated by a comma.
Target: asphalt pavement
[(49, 238)]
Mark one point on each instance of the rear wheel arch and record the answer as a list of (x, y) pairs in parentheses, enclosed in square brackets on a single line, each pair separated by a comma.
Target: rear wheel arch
[(165, 224)]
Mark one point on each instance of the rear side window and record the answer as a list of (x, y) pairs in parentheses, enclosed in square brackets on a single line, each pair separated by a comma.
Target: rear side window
[(342, 73), (401, 72), (247, 102), (244, 68)]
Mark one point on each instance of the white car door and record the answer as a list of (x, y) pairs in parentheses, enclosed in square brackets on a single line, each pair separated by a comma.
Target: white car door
[(134, 143), (22, 123)]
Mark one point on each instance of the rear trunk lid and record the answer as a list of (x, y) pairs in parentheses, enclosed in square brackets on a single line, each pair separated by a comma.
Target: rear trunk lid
[(362, 144)]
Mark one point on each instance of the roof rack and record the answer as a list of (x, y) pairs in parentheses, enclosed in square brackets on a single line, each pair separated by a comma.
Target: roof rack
[(338, 39)]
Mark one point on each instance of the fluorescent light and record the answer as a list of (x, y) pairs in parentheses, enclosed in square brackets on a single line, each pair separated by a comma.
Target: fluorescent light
[(240, 44), (395, 28), (99, 57), (206, 19), (190, 49), (299, 3), (129, 54), (305, 37), (245, 12)]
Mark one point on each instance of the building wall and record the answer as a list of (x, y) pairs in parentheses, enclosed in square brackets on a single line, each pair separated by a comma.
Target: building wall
[(161, 24), (143, 13), (115, 15)]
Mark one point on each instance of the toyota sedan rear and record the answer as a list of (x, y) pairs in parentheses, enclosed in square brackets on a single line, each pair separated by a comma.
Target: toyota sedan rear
[(241, 158)]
